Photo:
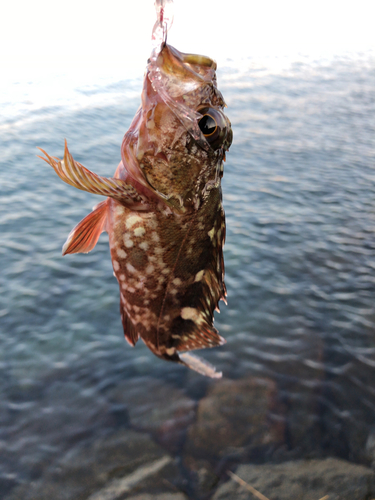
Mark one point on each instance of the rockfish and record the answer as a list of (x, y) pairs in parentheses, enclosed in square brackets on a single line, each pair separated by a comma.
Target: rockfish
[(163, 212)]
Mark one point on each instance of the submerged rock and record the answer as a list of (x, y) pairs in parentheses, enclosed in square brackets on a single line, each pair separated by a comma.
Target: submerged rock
[(302, 480), (123, 463), (203, 476), (157, 407), (138, 479), (236, 417), (162, 496)]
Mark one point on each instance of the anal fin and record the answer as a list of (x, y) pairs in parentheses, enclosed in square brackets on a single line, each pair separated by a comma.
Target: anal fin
[(198, 337), (85, 235)]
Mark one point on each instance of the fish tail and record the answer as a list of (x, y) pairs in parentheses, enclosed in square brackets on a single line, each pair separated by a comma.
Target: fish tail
[(85, 235), (75, 174)]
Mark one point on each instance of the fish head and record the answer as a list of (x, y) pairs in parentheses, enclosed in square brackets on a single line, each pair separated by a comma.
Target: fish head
[(181, 133)]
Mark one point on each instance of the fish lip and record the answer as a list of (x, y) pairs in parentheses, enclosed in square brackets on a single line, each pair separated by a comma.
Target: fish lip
[(199, 60), (195, 59), (192, 59)]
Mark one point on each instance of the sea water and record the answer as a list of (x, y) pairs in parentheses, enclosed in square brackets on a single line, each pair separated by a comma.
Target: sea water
[(299, 193)]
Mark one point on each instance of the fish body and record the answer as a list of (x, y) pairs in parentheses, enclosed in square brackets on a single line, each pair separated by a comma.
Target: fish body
[(164, 213)]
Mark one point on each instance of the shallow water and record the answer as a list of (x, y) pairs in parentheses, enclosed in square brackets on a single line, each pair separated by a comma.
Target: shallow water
[(299, 190)]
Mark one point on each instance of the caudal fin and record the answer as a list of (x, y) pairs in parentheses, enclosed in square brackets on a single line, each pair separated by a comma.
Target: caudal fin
[(84, 237)]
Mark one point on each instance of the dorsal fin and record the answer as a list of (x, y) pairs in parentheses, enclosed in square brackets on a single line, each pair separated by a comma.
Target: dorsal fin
[(85, 235)]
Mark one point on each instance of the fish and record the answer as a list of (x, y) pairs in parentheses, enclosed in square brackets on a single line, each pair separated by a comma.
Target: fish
[(163, 210)]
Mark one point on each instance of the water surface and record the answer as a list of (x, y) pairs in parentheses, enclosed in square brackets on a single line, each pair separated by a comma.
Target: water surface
[(299, 190)]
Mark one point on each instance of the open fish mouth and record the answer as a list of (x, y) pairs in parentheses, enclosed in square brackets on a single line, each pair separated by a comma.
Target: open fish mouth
[(196, 59), (172, 60)]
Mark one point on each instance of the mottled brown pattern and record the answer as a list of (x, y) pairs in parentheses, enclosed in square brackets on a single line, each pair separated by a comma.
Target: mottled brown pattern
[(177, 270)]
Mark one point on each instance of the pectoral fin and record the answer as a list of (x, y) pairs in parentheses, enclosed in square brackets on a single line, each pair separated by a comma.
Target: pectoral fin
[(84, 237), (77, 175)]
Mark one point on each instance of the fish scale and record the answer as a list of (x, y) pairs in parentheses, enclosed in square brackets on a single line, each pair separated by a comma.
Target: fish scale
[(163, 212)]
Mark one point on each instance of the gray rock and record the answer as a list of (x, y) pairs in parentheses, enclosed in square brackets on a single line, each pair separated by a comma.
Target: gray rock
[(162, 409), (302, 480), (88, 469), (203, 477), (118, 488), (162, 496), (350, 418), (300, 383), (236, 414), (370, 447)]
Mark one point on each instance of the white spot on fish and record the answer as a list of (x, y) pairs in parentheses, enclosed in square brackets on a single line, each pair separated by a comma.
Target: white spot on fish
[(133, 219), (139, 231), (211, 233), (170, 351), (149, 269), (144, 246), (121, 253), (177, 281), (122, 277), (155, 236), (199, 275), (191, 313), (130, 268), (116, 265), (128, 243)]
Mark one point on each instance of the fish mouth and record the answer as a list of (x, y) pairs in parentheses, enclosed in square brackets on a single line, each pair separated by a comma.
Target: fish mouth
[(198, 60), (175, 61)]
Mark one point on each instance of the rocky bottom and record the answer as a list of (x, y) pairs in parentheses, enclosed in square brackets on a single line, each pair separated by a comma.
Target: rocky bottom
[(164, 444)]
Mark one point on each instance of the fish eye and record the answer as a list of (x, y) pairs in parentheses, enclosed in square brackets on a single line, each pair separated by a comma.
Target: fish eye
[(213, 126), (208, 125)]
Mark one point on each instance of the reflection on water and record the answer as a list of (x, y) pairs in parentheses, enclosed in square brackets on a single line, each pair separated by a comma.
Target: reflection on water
[(299, 364)]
